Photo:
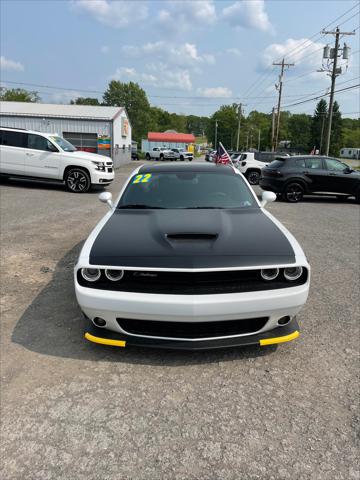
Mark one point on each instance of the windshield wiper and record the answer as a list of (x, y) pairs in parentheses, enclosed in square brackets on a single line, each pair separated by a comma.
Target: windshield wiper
[(204, 208), (139, 205)]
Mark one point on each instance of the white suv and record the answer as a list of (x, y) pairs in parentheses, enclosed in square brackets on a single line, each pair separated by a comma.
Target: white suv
[(47, 156)]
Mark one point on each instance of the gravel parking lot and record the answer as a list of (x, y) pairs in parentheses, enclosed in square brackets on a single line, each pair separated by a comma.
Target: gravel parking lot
[(74, 410)]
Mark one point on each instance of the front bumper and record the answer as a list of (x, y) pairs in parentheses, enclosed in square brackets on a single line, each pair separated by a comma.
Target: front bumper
[(101, 178), (278, 335), (111, 305)]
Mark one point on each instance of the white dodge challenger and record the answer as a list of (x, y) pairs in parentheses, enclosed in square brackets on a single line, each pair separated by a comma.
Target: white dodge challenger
[(188, 258)]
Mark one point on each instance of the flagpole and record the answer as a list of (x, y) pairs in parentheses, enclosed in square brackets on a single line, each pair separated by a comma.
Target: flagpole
[(226, 153)]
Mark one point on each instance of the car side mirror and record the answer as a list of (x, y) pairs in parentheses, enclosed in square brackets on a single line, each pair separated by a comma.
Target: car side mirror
[(106, 197), (348, 170), (51, 147), (267, 197)]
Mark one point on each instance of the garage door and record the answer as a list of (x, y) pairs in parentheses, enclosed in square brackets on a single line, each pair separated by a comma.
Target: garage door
[(87, 142)]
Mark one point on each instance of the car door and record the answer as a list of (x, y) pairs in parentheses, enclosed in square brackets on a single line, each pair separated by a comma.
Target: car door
[(41, 159), (339, 181), (316, 174), (12, 154)]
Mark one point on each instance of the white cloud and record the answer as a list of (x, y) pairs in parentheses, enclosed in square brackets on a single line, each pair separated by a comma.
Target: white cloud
[(162, 76), (248, 14), (215, 92), (187, 14), (6, 64), (302, 52), (105, 49), (117, 14), (183, 55)]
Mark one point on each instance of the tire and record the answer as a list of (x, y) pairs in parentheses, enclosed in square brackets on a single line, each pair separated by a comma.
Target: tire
[(147, 156), (77, 180), (357, 197), (293, 192), (253, 177), (161, 157), (181, 158)]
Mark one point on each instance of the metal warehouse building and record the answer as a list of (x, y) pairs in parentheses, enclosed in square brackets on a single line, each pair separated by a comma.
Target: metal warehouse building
[(103, 130)]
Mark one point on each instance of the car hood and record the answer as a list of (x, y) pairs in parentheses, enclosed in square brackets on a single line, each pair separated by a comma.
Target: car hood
[(88, 156), (190, 239)]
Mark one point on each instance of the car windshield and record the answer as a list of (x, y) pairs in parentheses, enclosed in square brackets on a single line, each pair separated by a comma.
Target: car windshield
[(187, 190), (63, 144)]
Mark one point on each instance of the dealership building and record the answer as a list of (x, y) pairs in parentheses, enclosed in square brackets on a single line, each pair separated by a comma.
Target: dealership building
[(168, 139), (96, 129)]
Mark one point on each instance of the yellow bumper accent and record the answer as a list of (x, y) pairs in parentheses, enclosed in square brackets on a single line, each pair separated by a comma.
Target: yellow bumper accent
[(285, 338), (105, 341)]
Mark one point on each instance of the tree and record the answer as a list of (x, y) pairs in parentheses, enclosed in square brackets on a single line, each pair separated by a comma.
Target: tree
[(133, 98), (336, 140), (300, 131), (18, 95), (351, 132), (85, 101), (226, 118), (318, 126)]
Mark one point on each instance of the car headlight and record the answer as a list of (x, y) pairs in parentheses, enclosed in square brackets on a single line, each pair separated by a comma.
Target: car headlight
[(293, 273), (114, 275), (90, 274), (269, 273), (99, 165)]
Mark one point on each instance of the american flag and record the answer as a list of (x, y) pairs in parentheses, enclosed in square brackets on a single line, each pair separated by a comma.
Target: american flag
[(222, 156)]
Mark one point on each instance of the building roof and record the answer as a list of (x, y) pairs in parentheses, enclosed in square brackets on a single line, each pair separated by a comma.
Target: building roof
[(56, 110), (171, 137)]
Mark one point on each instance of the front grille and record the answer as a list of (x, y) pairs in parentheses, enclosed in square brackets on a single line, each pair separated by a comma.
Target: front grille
[(192, 330), (191, 283)]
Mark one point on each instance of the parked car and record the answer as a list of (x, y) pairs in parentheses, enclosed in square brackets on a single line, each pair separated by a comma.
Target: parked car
[(47, 156), (248, 166), (160, 153), (210, 156), (134, 154), (293, 177), (188, 258), (182, 154)]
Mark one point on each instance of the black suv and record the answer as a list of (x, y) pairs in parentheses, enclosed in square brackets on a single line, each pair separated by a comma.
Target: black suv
[(294, 177)]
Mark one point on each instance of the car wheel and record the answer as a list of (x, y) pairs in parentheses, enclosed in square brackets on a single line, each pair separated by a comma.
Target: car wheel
[(293, 192), (357, 197), (253, 177), (181, 158), (161, 157), (147, 156), (77, 180)]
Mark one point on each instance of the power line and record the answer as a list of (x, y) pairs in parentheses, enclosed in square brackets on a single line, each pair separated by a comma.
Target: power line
[(321, 96)]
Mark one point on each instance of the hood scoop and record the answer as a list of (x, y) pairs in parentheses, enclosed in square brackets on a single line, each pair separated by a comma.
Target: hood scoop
[(191, 236)]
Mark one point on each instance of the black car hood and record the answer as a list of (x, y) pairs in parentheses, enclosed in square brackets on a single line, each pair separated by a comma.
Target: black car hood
[(190, 239)]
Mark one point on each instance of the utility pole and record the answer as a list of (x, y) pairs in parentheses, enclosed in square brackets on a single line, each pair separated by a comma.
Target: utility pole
[(272, 128), (247, 141), (279, 87), (259, 136), (322, 133), (333, 54), (240, 105), (216, 127)]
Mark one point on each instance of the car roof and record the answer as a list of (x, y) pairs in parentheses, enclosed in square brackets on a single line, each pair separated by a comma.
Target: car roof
[(185, 167), (25, 130)]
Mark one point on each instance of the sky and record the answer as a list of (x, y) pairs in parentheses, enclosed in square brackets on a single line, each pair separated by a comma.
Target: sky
[(189, 56)]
